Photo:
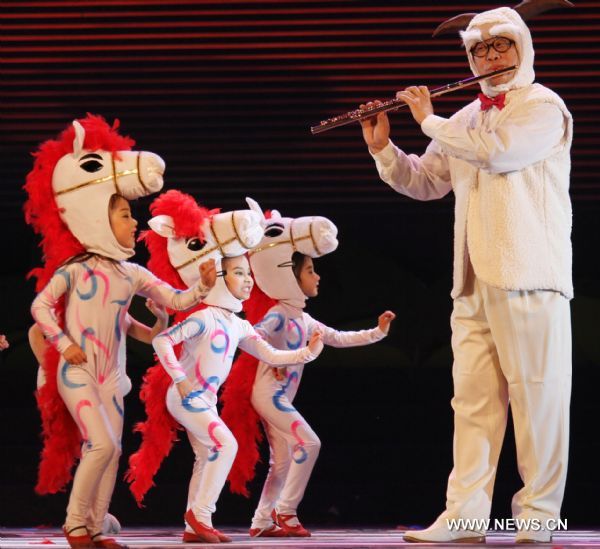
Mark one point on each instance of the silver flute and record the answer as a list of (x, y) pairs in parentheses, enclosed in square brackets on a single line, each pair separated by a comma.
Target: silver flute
[(394, 104)]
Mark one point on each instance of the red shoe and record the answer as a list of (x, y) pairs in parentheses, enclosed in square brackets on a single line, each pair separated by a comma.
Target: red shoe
[(107, 543), (190, 537), (272, 531), (78, 542), (296, 531), (202, 533)]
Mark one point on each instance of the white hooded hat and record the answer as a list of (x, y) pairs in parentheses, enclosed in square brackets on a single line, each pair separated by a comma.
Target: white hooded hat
[(505, 22)]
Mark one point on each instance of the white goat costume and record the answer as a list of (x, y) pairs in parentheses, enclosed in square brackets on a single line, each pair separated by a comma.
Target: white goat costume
[(509, 170)]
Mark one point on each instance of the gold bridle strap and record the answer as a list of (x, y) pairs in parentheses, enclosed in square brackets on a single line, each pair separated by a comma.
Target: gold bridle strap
[(292, 235), (139, 172), (216, 238), (312, 237), (291, 241), (114, 170), (114, 176), (220, 245), (237, 234)]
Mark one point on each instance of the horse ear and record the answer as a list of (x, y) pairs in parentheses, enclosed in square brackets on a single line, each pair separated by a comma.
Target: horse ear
[(163, 225), (79, 138), (275, 214), (255, 207)]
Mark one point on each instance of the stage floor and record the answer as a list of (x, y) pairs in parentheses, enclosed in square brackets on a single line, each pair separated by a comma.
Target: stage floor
[(363, 538)]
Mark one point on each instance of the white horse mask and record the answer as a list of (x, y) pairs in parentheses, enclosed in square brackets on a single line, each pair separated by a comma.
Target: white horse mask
[(227, 234), (84, 181), (271, 260)]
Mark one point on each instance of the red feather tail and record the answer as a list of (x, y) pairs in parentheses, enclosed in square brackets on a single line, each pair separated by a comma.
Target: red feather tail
[(60, 434), (243, 421), (159, 432)]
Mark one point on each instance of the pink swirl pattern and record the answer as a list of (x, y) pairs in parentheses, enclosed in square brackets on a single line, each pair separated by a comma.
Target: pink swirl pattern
[(81, 404)]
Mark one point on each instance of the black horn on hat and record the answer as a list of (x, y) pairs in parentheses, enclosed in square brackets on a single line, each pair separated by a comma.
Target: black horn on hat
[(527, 9)]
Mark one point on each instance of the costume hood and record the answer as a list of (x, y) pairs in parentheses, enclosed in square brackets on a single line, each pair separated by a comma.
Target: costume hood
[(505, 22)]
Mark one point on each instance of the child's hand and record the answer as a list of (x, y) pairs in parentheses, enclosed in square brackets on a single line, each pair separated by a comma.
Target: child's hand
[(3, 342), (385, 320), (184, 387), (74, 354), (208, 273), (315, 343), (158, 311)]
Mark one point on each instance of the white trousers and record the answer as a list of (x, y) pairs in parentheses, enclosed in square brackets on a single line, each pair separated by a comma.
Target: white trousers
[(294, 448), (510, 347), (214, 448), (98, 411)]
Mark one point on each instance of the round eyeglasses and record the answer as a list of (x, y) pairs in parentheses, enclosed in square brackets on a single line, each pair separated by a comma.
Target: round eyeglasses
[(499, 43)]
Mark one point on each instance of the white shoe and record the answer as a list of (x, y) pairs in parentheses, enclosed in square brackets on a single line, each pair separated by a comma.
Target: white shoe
[(441, 534), (110, 525), (534, 536)]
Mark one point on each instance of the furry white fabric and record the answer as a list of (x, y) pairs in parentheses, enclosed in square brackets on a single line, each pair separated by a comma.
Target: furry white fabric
[(506, 22), (509, 171)]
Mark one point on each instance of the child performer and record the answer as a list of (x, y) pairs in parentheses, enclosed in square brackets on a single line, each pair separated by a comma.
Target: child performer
[(83, 305), (132, 328), (210, 338), (289, 277)]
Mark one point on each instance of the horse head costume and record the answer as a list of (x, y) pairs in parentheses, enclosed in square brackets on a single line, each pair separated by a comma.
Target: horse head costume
[(69, 189)]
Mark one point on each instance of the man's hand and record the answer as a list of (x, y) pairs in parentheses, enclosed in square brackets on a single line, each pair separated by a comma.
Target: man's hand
[(75, 355), (384, 321), (375, 129), (418, 100), (208, 273), (3, 342)]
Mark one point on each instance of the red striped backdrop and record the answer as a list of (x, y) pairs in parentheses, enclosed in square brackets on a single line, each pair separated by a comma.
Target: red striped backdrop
[(226, 91)]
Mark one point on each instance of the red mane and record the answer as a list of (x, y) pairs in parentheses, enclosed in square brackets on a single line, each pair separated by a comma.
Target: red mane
[(188, 217), (41, 211)]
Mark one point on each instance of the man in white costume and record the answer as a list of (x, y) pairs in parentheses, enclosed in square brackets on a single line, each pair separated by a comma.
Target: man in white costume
[(506, 156)]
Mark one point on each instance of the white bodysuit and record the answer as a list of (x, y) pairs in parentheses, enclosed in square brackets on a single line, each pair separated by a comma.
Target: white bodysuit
[(97, 295), (294, 446), (210, 338)]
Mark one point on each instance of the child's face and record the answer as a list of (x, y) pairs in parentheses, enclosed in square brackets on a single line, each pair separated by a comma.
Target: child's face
[(309, 279), (237, 276), (122, 223)]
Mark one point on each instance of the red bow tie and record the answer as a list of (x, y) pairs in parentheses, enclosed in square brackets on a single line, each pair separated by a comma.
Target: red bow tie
[(489, 102)]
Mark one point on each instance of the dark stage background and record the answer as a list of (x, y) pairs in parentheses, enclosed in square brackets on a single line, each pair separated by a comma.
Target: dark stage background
[(226, 92)]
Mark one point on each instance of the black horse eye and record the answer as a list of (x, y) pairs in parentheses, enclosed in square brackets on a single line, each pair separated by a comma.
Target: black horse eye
[(194, 244), (273, 230), (92, 166)]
